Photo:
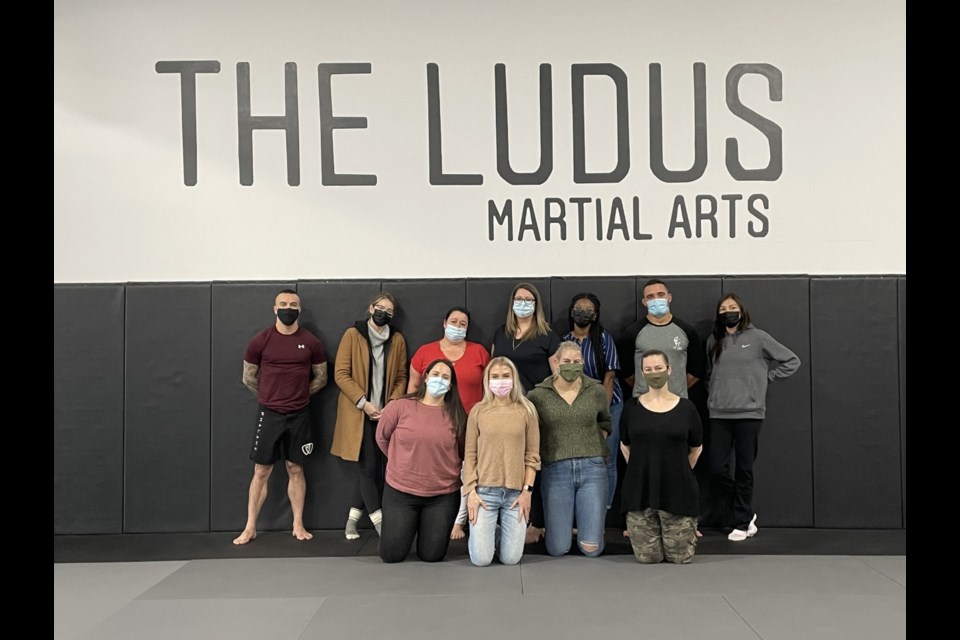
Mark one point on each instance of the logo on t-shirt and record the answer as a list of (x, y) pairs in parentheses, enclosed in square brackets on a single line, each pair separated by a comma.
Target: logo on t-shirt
[(677, 344), (301, 346)]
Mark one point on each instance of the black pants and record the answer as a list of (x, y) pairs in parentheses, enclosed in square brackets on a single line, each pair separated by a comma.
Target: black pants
[(406, 516), (366, 493), (739, 437), (536, 505)]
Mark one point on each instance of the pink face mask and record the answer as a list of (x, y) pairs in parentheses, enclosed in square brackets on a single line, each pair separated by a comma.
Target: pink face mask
[(501, 387)]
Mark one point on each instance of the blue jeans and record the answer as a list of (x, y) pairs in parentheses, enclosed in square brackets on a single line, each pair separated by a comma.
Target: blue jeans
[(575, 488), (486, 536), (613, 441)]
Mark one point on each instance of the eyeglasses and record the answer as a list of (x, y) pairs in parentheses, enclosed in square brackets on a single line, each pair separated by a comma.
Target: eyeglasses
[(524, 299), (389, 312)]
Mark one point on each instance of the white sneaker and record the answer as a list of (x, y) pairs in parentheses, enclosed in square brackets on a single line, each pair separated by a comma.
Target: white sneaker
[(737, 535)]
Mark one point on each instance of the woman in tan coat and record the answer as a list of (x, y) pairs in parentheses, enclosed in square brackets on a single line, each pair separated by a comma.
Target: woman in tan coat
[(371, 370)]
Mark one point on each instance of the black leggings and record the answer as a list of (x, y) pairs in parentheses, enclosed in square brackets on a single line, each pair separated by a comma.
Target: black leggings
[(366, 493), (429, 519)]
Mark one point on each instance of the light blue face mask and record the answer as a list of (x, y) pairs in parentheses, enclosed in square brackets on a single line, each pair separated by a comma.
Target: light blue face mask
[(454, 334), (658, 307), (437, 386), (524, 309)]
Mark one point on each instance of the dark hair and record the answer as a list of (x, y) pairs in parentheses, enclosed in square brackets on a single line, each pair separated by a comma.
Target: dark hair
[(452, 405), (649, 353), (720, 329), (653, 281), (293, 291), (595, 333), (458, 308)]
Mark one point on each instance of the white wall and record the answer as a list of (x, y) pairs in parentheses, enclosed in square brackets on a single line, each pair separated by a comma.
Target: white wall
[(122, 210)]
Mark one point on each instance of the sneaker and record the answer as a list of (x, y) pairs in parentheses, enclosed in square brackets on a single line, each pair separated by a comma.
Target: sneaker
[(737, 535)]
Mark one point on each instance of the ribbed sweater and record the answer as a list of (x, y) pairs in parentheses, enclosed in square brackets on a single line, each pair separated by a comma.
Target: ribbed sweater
[(567, 431)]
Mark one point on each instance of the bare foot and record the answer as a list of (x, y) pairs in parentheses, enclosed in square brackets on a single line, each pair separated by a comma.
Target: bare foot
[(699, 535), (626, 534), (534, 534), (302, 534), (245, 537), (458, 533)]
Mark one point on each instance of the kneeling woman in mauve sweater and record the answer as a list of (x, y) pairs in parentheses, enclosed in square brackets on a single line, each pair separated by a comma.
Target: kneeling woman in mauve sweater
[(422, 435)]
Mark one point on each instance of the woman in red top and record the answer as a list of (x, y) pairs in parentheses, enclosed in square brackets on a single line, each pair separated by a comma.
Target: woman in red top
[(469, 360)]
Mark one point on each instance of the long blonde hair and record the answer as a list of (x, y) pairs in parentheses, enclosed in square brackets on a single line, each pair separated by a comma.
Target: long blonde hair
[(539, 326), (516, 394)]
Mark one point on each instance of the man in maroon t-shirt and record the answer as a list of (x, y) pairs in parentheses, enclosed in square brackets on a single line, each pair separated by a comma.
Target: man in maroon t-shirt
[(283, 366)]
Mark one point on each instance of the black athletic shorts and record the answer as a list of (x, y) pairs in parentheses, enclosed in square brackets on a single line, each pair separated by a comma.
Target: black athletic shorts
[(282, 435)]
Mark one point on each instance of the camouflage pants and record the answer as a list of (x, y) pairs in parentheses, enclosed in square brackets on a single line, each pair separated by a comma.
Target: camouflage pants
[(658, 535)]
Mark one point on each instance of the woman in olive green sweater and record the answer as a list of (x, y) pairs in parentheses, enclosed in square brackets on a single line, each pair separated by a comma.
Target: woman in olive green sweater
[(574, 424)]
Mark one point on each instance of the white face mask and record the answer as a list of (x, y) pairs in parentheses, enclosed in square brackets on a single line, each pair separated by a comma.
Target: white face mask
[(454, 334), (437, 386), (524, 308)]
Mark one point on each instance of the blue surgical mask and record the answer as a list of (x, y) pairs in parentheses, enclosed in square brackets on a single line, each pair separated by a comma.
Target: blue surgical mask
[(658, 307), (437, 386), (454, 334), (524, 309)]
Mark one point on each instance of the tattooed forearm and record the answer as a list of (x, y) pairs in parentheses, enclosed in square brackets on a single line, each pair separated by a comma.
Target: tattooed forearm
[(251, 376), (319, 380)]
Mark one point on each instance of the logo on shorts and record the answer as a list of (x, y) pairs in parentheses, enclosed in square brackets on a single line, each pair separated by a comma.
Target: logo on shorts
[(307, 448)]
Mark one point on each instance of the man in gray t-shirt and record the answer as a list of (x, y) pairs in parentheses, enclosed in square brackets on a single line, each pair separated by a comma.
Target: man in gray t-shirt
[(660, 329)]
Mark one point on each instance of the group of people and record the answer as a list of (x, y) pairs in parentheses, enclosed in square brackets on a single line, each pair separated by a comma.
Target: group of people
[(521, 442)]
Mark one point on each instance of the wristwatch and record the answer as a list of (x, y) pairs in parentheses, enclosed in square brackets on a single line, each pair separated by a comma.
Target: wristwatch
[(528, 487)]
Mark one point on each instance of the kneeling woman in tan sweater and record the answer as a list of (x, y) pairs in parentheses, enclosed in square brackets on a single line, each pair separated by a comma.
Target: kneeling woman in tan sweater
[(500, 462)]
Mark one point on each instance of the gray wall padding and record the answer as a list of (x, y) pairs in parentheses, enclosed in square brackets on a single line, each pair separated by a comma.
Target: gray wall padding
[(902, 343), (88, 408), (152, 425), (166, 465), (855, 403)]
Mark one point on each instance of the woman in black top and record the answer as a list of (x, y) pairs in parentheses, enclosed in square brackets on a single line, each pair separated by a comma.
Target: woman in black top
[(659, 494), (527, 339)]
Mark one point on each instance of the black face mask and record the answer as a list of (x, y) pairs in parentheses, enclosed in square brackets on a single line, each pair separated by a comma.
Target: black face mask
[(288, 316), (581, 318), (380, 317), (730, 319)]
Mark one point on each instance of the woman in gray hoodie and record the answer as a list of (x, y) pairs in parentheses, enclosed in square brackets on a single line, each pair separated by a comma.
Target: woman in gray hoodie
[(741, 361)]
